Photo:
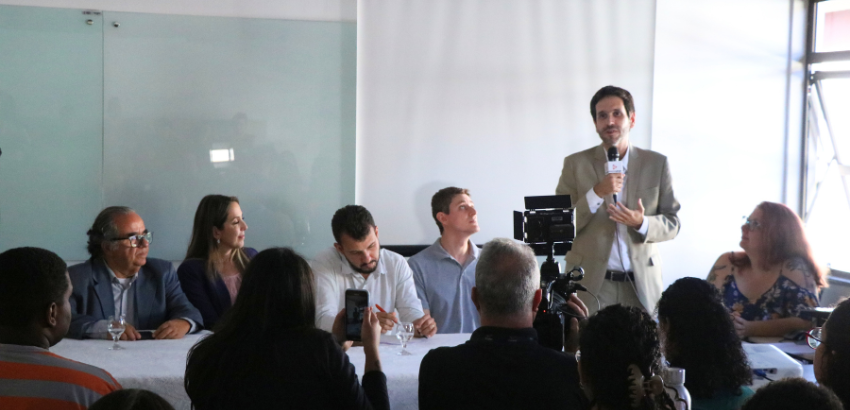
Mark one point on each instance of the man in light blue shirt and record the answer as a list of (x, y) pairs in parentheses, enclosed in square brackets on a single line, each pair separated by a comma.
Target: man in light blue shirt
[(444, 272)]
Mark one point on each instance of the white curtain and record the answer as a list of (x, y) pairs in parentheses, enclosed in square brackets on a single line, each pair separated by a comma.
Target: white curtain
[(486, 95)]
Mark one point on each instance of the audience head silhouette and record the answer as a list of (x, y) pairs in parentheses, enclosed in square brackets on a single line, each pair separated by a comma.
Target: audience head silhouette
[(793, 394), (34, 292), (832, 357), (131, 399), (612, 340), (507, 284), (267, 352), (698, 336)]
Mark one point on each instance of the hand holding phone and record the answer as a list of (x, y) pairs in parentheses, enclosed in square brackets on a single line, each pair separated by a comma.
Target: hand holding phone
[(356, 302)]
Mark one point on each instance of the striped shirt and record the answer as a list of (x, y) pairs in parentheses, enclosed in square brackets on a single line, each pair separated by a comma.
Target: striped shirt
[(34, 378)]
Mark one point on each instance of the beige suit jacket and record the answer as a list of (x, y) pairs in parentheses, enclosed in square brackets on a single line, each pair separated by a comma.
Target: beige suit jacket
[(648, 178)]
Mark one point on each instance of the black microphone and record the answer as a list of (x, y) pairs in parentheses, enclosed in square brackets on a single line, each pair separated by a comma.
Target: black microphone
[(614, 156)]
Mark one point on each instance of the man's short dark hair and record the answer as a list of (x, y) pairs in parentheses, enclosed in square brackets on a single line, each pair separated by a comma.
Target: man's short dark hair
[(30, 280), (442, 200), (793, 394), (104, 229), (611, 91), (352, 220)]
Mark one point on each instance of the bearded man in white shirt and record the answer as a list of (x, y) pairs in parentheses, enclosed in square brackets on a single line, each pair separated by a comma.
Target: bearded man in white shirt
[(356, 261)]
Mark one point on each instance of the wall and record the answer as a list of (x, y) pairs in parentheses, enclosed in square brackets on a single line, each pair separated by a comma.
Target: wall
[(724, 77), (724, 101), (489, 96), (136, 114), (326, 10)]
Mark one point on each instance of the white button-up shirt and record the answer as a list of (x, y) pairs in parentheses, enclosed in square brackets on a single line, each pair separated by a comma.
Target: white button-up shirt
[(390, 285), (619, 259)]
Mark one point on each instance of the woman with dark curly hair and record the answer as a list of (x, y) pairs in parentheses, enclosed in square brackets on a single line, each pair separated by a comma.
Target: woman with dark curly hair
[(775, 277), (697, 335), (793, 394), (832, 356), (613, 341)]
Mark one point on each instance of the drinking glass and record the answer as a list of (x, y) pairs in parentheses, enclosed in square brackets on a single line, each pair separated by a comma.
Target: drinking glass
[(404, 333), (814, 337), (116, 326)]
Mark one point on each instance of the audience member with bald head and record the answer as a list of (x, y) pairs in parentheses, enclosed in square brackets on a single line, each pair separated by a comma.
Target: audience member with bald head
[(502, 365), (120, 279)]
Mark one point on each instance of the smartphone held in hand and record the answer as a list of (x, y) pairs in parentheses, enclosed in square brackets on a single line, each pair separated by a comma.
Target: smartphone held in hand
[(356, 302)]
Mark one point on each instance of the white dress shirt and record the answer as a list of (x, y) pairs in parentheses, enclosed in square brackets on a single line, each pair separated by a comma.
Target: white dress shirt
[(619, 259), (390, 285)]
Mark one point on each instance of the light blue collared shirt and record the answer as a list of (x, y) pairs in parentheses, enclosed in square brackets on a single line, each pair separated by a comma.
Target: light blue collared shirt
[(445, 287)]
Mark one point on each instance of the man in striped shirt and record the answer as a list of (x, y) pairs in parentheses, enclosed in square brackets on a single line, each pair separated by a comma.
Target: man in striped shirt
[(35, 314)]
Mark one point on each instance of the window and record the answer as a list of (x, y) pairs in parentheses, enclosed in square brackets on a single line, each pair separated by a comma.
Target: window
[(826, 210)]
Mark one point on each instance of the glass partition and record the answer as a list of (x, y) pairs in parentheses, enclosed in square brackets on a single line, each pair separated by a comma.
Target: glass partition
[(156, 111), (260, 109), (51, 79)]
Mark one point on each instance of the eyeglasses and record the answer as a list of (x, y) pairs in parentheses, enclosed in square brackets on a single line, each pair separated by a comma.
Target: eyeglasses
[(814, 337), (136, 240), (751, 225)]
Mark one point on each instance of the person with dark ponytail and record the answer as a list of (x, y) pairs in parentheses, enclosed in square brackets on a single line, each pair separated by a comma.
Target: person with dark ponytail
[(832, 355), (697, 335), (267, 352), (217, 257), (613, 342)]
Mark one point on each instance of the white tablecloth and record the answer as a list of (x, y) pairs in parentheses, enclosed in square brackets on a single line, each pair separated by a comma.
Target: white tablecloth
[(159, 365)]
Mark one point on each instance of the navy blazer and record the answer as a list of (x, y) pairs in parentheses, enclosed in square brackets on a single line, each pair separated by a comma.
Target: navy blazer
[(157, 295), (211, 298)]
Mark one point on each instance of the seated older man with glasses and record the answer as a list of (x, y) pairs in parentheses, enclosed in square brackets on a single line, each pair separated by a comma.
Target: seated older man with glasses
[(119, 280)]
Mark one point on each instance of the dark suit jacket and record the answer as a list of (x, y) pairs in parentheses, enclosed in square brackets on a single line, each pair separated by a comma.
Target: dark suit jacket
[(499, 368), (158, 297), (211, 298)]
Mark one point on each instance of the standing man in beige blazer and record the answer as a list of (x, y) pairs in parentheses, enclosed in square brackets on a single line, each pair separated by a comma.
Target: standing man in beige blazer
[(615, 242)]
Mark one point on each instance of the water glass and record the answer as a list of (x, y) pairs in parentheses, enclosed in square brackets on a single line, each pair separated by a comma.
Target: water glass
[(404, 333), (116, 326)]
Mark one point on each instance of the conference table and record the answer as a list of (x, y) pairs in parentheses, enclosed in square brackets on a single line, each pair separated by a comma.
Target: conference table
[(159, 365)]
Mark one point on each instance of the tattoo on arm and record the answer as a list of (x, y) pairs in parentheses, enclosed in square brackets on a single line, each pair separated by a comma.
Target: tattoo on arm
[(796, 264), (808, 276), (712, 275)]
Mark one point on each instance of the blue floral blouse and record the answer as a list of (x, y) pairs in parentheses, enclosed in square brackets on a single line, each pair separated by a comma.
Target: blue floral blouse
[(784, 299)]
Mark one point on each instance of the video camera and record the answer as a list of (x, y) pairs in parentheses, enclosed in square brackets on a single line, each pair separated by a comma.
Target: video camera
[(548, 226)]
